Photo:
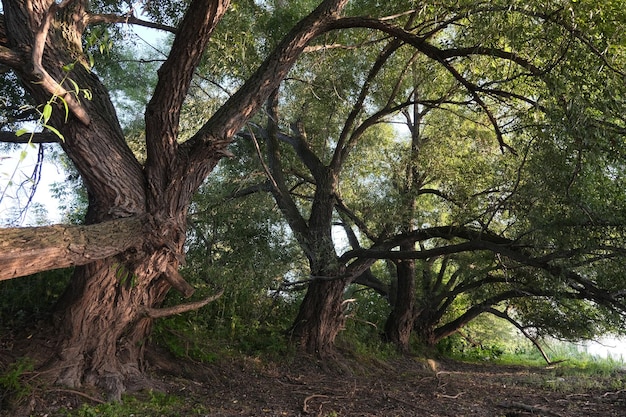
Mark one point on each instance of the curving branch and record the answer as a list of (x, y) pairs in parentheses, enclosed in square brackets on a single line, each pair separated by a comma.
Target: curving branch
[(533, 340), (43, 77), (238, 109)]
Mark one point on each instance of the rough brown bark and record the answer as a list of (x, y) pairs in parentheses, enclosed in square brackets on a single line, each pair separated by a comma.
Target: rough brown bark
[(29, 250), (106, 313), (320, 317), (399, 324)]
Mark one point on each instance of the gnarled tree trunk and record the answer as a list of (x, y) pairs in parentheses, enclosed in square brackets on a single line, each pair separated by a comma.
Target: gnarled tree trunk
[(106, 313), (320, 317)]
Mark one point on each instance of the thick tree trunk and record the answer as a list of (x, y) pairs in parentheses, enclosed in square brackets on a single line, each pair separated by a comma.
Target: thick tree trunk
[(424, 327), (105, 315), (103, 328), (320, 317), (399, 324)]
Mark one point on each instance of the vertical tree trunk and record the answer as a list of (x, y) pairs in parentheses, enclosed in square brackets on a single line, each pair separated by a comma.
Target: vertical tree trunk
[(320, 317), (103, 322), (424, 327), (399, 324)]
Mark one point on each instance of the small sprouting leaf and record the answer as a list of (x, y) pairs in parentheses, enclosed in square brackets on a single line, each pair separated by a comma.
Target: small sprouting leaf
[(23, 155), (21, 132), (92, 61), (55, 131), (47, 112), (68, 67), (87, 94)]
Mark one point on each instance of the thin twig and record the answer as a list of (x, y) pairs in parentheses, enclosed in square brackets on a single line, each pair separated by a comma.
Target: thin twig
[(310, 397), (82, 394)]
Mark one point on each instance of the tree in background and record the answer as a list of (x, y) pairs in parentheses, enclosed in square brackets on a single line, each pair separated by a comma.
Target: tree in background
[(483, 89)]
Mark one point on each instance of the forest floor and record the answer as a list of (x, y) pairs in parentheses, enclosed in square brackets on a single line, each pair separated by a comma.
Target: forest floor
[(346, 386)]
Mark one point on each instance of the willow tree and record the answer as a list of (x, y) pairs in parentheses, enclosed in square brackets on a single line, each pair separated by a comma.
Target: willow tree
[(499, 76), (128, 253)]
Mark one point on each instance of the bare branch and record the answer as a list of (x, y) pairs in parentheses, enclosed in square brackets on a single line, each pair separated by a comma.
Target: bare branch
[(37, 137), (177, 281), (130, 20), (505, 316), (156, 313)]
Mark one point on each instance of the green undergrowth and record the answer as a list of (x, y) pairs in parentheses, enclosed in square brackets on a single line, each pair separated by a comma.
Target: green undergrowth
[(147, 404), (14, 387), (569, 370)]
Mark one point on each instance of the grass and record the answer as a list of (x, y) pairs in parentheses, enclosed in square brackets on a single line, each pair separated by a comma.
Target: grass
[(148, 404)]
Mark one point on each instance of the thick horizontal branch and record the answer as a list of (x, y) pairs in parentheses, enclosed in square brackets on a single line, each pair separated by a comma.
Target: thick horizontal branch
[(156, 313), (28, 250), (10, 58), (37, 137)]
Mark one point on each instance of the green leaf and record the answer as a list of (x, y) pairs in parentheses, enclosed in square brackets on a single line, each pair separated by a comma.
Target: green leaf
[(65, 106), (55, 131), (76, 87), (21, 132), (46, 113), (23, 155), (68, 67)]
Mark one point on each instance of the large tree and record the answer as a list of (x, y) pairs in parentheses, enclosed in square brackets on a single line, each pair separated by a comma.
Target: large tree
[(128, 253), (468, 79)]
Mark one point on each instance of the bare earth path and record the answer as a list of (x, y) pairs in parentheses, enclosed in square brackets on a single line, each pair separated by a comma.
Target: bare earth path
[(349, 387)]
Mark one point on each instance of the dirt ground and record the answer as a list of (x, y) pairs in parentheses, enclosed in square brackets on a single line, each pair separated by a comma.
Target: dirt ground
[(303, 386)]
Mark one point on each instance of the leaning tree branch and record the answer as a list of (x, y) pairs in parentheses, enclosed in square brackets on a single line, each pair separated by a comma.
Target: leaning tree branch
[(473, 90), (129, 20), (505, 316), (28, 250), (238, 109), (177, 281), (476, 310), (156, 313), (163, 111)]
